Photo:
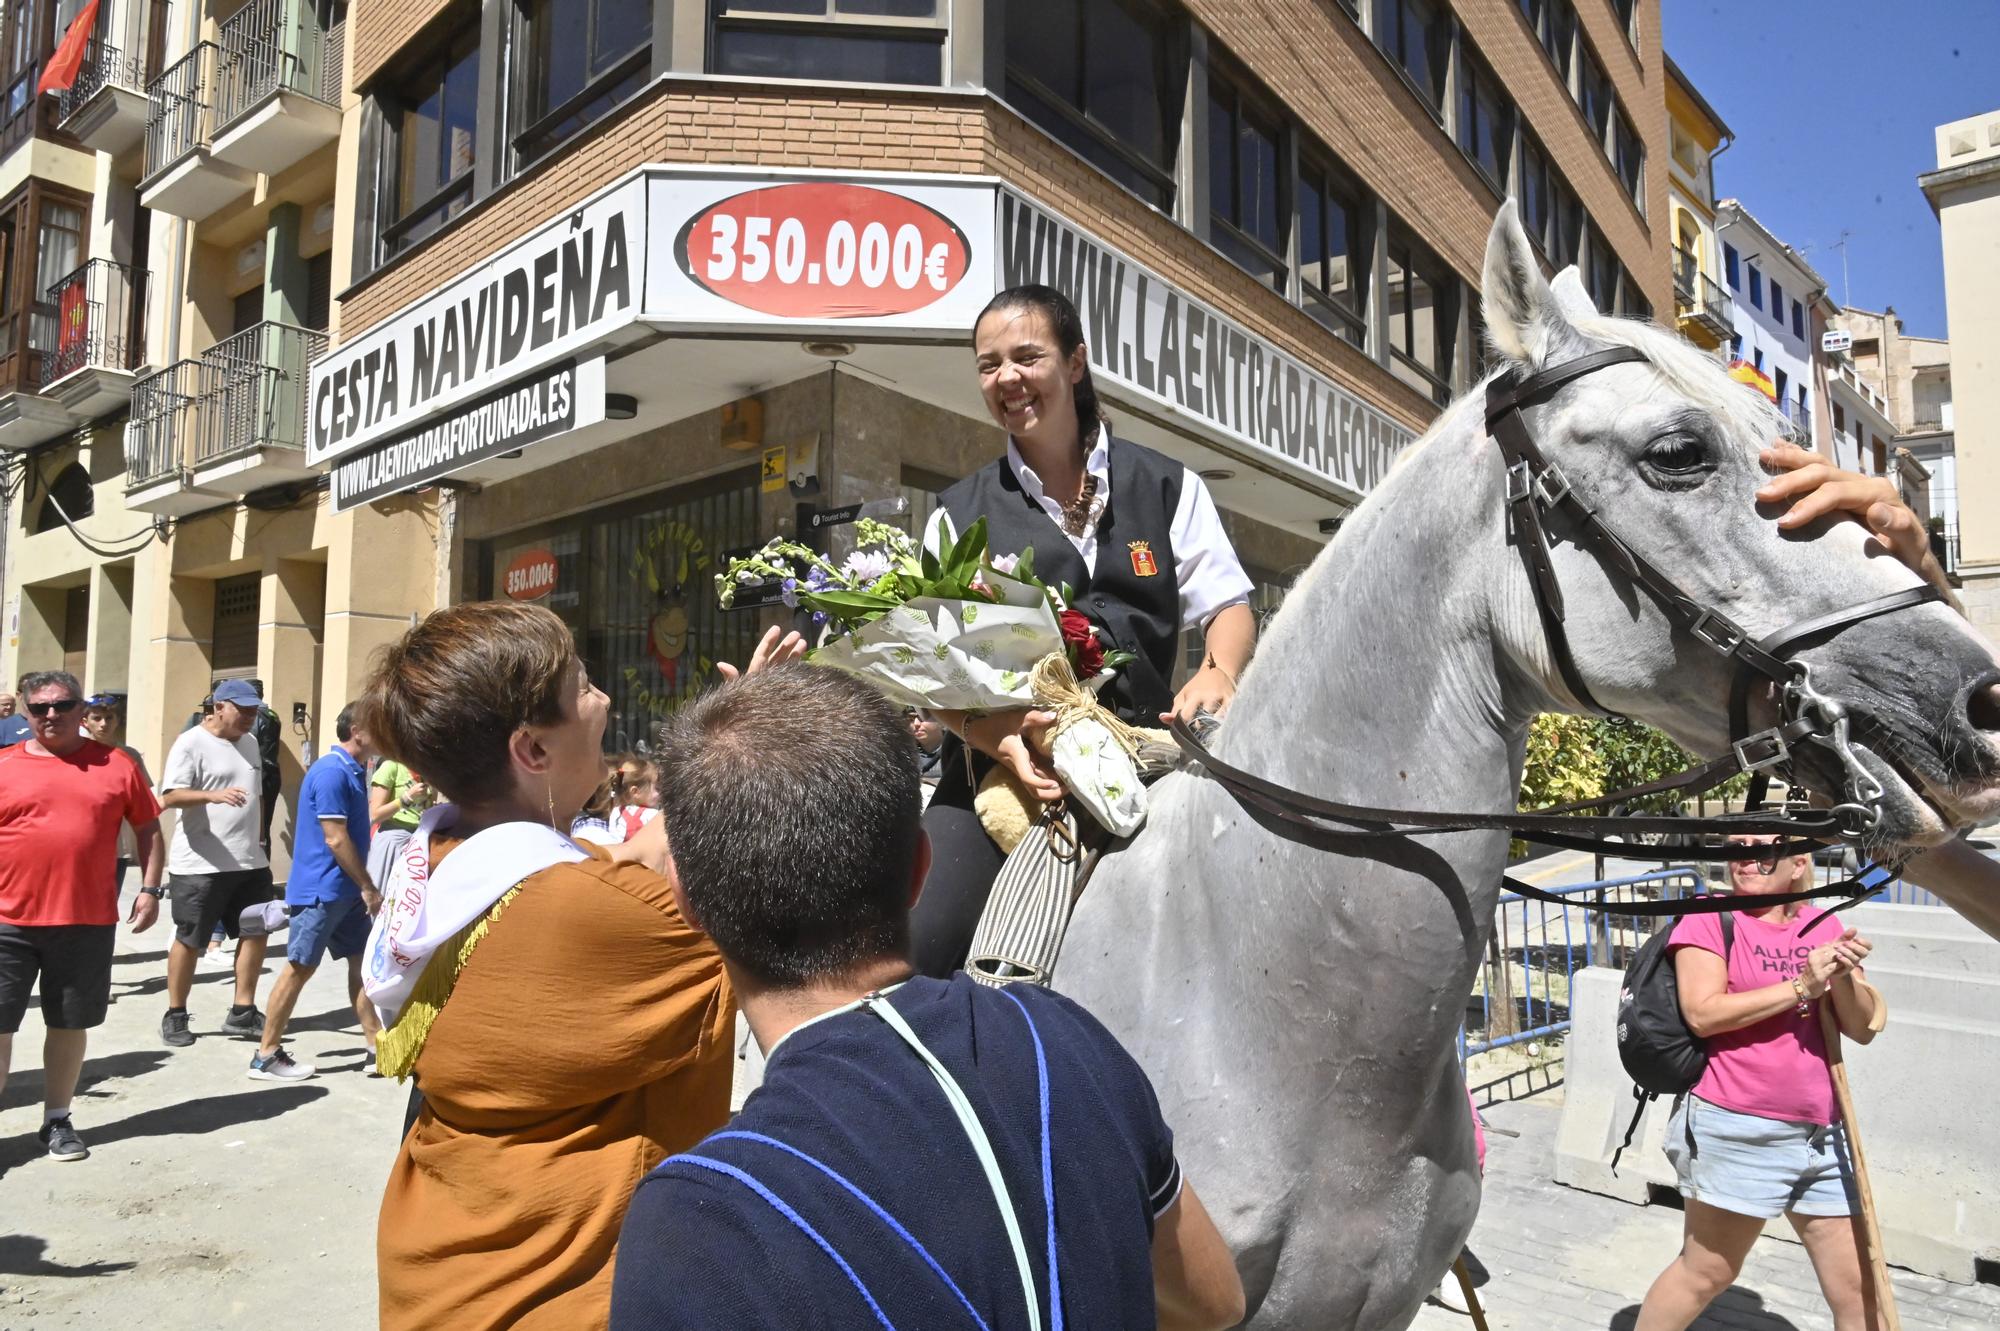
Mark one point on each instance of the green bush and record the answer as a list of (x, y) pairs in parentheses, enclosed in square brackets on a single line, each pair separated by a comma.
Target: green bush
[(1586, 757)]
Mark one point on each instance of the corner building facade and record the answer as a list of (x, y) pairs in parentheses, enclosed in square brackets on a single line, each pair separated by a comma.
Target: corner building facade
[(619, 290)]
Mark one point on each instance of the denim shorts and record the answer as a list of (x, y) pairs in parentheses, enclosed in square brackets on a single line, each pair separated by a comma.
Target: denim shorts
[(339, 926), (1759, 1166)]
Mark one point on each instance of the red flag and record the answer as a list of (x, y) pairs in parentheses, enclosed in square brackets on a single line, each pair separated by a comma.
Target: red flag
[(60, 73)]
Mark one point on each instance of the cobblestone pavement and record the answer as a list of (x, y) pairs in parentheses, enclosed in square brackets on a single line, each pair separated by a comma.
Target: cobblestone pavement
[(1556, 1259)]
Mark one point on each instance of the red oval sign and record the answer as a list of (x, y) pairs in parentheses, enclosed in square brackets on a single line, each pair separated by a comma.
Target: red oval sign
[(531, 576), (823, 250)]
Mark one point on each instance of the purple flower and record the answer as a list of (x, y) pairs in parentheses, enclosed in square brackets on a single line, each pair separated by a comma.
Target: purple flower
[(788, 591), (817, 579), (867, 566)]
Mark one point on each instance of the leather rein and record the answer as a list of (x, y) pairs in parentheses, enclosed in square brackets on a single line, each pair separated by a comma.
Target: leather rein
[(1537, 493)]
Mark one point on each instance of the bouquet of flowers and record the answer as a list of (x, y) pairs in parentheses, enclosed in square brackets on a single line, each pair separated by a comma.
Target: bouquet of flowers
[(960, 630)]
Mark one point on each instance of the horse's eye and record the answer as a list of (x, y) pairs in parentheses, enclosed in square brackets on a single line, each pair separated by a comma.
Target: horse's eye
[(1676, 455)]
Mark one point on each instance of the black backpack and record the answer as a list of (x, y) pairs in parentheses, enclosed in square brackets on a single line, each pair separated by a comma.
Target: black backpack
[(1660, 1053)]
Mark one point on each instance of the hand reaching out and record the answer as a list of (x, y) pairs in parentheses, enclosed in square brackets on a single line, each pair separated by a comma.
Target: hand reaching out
[(771, 651)]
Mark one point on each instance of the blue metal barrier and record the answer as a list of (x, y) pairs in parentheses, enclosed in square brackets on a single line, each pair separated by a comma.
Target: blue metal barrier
[(1548, 943)]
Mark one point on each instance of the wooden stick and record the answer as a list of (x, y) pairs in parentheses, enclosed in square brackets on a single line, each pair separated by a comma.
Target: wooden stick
[(1472, 1307), (1871, 1227)]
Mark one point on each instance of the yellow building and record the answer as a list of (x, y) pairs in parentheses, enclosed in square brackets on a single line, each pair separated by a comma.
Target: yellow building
[(1695, 135)]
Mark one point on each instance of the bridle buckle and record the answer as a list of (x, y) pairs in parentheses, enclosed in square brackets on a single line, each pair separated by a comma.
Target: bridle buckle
[(1520, 481), (1718, 631), (1547, 487), (1552, 486), (1766, 748)]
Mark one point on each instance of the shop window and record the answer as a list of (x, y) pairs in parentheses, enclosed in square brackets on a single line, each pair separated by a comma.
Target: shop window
[(1416, 35), (1334, 258), (1106, 78), (1485, 121), (431, 116), (1423, 316), (636, 585), (1554, 24), (847, 41), (233, 643), (70, 496), (1244, 200), (579, 59)]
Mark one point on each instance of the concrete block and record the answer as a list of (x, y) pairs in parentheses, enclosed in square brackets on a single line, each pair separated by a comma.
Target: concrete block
[(1927, 1097)]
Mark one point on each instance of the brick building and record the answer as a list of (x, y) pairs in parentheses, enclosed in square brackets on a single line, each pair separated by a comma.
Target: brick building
[(569, 298)]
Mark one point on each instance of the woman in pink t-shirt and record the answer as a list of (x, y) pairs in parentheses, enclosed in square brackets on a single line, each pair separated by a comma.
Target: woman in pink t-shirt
[(1760, 1135)]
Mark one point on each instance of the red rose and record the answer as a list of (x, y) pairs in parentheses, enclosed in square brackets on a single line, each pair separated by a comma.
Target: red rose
[(1086, 653)]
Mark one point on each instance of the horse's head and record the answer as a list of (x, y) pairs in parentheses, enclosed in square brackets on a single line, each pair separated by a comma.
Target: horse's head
[(1665, 451)]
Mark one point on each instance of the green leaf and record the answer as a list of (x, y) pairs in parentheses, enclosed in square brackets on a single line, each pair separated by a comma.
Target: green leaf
[(1025, 569), (847, 605)]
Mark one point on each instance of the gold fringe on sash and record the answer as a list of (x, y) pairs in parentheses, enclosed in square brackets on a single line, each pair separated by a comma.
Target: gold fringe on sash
[(397, 1048)]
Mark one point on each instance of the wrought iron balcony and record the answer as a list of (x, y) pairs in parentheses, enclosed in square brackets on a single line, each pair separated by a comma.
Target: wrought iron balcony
[(224, 424), (182, 176), (255, 398), (106, 107), (277, 85), (97, 337), (1799, 416)]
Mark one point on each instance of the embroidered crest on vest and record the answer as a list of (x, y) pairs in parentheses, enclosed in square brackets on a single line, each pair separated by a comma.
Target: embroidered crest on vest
[(1142, 558)]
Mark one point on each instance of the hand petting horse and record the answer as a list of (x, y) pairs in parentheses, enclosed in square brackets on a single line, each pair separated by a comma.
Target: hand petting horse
[(1297, 1007)]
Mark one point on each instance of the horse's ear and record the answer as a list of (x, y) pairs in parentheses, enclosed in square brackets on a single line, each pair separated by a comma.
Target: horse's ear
[(1523, 316)]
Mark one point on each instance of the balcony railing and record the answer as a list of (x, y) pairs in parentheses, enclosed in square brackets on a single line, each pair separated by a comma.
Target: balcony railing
[(1800, 417), (179, 112), (255, 394), (268, 46), (100, 320), (1715, 303), (104, 66), (156, 436)]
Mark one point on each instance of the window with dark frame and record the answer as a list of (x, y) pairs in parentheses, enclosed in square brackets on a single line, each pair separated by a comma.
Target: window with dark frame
[(1246, 204), (578, 59), (1594, 96), (1423, 315), (1627, 11), (1757, 288), (1798, 320), (1628, 157), (1485, 120), (1334, 247), (431, 116), (1550, 212), (842, 41), (1778, 304), (1731, 269), (1107, 79), (1600, 276), (1554, 24), (1416, 35)]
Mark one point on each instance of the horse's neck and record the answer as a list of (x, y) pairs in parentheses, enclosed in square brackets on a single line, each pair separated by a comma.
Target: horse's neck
[(1381, 681)]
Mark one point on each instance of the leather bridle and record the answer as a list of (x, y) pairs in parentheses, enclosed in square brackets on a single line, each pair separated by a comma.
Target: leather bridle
[(1538, 494)]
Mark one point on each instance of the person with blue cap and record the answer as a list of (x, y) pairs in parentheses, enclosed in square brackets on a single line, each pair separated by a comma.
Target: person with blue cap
[(217, 867)]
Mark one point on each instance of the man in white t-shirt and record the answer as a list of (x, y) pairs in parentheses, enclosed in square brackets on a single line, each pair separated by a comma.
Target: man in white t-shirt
[(216, 866)]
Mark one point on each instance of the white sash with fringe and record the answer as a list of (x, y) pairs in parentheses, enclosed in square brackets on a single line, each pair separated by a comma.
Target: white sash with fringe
[(422, 911)]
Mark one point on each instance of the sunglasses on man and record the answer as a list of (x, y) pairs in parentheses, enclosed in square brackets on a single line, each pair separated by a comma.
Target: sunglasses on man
[(61, 708)]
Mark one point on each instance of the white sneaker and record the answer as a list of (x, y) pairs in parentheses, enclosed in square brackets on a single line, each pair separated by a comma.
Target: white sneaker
[(216, 959), (280, 1066)]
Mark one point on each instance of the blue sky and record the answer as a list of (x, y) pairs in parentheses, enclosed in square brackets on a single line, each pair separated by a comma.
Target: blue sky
[(1833, 103)]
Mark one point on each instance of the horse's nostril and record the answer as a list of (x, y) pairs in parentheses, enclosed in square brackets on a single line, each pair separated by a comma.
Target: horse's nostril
[(1982, 708)]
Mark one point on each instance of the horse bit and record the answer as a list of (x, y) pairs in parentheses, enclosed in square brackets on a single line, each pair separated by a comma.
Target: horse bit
[(1537, 492)]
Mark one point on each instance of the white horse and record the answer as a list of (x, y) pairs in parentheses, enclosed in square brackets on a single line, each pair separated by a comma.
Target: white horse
[(1297, 1009)]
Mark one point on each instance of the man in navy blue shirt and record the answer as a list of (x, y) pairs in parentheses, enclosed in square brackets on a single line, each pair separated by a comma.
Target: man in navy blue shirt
[(329, 895), (923, 1153)]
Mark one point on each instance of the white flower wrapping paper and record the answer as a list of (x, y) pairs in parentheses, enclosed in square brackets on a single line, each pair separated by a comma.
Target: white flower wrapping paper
[(952, 655), (1100, 775)]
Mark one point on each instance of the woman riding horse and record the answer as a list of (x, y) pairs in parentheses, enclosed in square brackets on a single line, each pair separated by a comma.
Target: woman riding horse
[(1133, 533)]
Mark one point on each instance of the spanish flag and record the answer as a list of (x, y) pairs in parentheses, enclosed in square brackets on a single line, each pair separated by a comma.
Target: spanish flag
[(1743, 372)]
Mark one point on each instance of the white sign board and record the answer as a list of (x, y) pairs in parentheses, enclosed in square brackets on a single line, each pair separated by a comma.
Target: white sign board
[(1835, 339), (575, 278), (1174, 351), (884, 252)]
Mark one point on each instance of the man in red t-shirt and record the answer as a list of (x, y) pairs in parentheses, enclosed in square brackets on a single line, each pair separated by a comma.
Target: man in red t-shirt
[(62, 798)]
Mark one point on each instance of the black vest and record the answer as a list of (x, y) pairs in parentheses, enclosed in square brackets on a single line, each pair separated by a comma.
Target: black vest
[(1134, 595)]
